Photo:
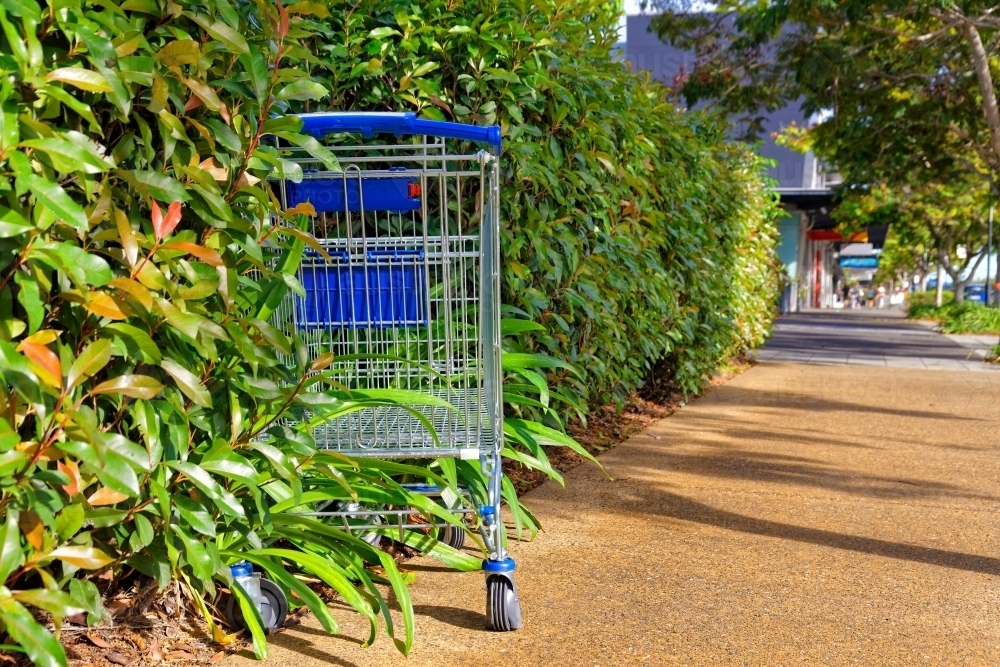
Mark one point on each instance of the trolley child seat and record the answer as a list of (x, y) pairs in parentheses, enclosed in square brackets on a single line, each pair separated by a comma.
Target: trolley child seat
[(407, 297)]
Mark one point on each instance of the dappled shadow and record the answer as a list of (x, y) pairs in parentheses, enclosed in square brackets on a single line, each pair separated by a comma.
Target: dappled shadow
[(675, 506), (454, 616), (784, 399), (758, 467), (302, 629), (294, 639), (711, 456), (413, 567)]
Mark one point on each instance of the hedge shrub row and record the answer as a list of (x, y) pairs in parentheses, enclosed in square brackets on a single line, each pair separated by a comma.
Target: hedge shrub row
[(635, 233), (140, 257)]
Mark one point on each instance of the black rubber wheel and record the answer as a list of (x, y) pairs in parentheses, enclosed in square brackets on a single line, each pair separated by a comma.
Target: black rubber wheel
[(503, 610), (453, 536), (273, 614)]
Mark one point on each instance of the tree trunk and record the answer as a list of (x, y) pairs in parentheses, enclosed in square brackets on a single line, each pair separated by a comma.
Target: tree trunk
[(939, 298), (959, 288), (985, 78)]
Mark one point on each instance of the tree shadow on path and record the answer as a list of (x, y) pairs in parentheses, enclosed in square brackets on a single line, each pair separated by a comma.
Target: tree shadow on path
[(675, 506)]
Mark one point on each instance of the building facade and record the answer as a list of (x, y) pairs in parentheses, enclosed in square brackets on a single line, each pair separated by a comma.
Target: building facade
[(808, 246)]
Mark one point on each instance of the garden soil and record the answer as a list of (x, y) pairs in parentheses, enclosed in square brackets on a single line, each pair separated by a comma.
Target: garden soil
[(796, 514)]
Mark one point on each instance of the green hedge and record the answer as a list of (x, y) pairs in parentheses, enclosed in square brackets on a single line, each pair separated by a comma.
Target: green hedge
[(635, 233), (965, 318)]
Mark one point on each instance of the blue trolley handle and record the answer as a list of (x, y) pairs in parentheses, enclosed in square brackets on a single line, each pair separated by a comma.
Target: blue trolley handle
[(370, 123)]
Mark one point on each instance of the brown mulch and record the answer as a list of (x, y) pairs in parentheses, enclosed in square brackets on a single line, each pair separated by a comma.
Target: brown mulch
[(145, 627), (166, 629)]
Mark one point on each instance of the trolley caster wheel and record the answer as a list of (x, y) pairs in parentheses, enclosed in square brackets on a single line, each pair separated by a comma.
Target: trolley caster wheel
[(273, 609), (503, 610), (453, 536)]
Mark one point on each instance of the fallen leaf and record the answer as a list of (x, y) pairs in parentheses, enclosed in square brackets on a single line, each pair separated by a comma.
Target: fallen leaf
[(218, 657), (97, 640), (179, 655), (117, 658), (117, 606)]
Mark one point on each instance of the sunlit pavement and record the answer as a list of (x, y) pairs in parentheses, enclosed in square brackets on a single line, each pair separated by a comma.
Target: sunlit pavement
[(799, 514), (873, 338)]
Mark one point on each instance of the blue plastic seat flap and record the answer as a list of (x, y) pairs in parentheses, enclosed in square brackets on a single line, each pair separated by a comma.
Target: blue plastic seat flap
[(384, 294), (395, 194)]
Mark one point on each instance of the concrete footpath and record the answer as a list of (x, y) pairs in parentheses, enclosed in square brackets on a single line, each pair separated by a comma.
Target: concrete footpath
[(799, 514)]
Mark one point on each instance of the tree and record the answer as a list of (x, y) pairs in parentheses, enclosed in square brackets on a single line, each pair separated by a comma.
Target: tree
[(909, 83), (928, 223)]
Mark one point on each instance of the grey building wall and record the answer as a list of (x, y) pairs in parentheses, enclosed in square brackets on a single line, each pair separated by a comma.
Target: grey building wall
[(645, 51)]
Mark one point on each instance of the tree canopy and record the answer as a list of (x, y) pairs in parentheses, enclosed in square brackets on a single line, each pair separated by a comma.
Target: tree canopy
[(902, 93)]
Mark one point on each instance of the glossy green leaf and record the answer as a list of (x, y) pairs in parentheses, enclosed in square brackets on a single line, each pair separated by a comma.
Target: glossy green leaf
[(37, 642), (187, 382)]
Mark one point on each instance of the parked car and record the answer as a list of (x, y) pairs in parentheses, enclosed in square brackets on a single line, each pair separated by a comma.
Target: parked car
[(976, 292)]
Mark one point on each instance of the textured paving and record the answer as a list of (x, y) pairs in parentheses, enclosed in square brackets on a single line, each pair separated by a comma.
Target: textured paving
[(799, 514), (872, 338)]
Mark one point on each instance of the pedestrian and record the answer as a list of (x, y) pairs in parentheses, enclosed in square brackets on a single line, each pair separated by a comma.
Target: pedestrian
[(880, 297)]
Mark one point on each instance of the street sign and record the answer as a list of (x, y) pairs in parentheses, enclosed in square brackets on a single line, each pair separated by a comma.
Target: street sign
[(864, 262)]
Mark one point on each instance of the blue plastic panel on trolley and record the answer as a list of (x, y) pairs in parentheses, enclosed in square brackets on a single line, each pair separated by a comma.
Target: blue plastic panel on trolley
[(368, 124), (375, 296), (395, 194)]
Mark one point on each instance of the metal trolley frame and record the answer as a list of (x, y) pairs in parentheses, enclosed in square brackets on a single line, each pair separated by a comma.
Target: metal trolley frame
[(407, 297)]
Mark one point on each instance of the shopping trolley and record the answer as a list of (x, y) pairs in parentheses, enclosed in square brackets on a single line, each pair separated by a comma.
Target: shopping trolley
[(406, 296)]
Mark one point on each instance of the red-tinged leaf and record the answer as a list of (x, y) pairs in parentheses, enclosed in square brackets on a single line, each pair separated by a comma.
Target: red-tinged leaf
[(205, 93), (162, 226), (71, 470), (282, 21), (156, 216), (106, 496), (136, 386), (46, 359), (193, 103), (206, 255), (32, 528), (172, 219)]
